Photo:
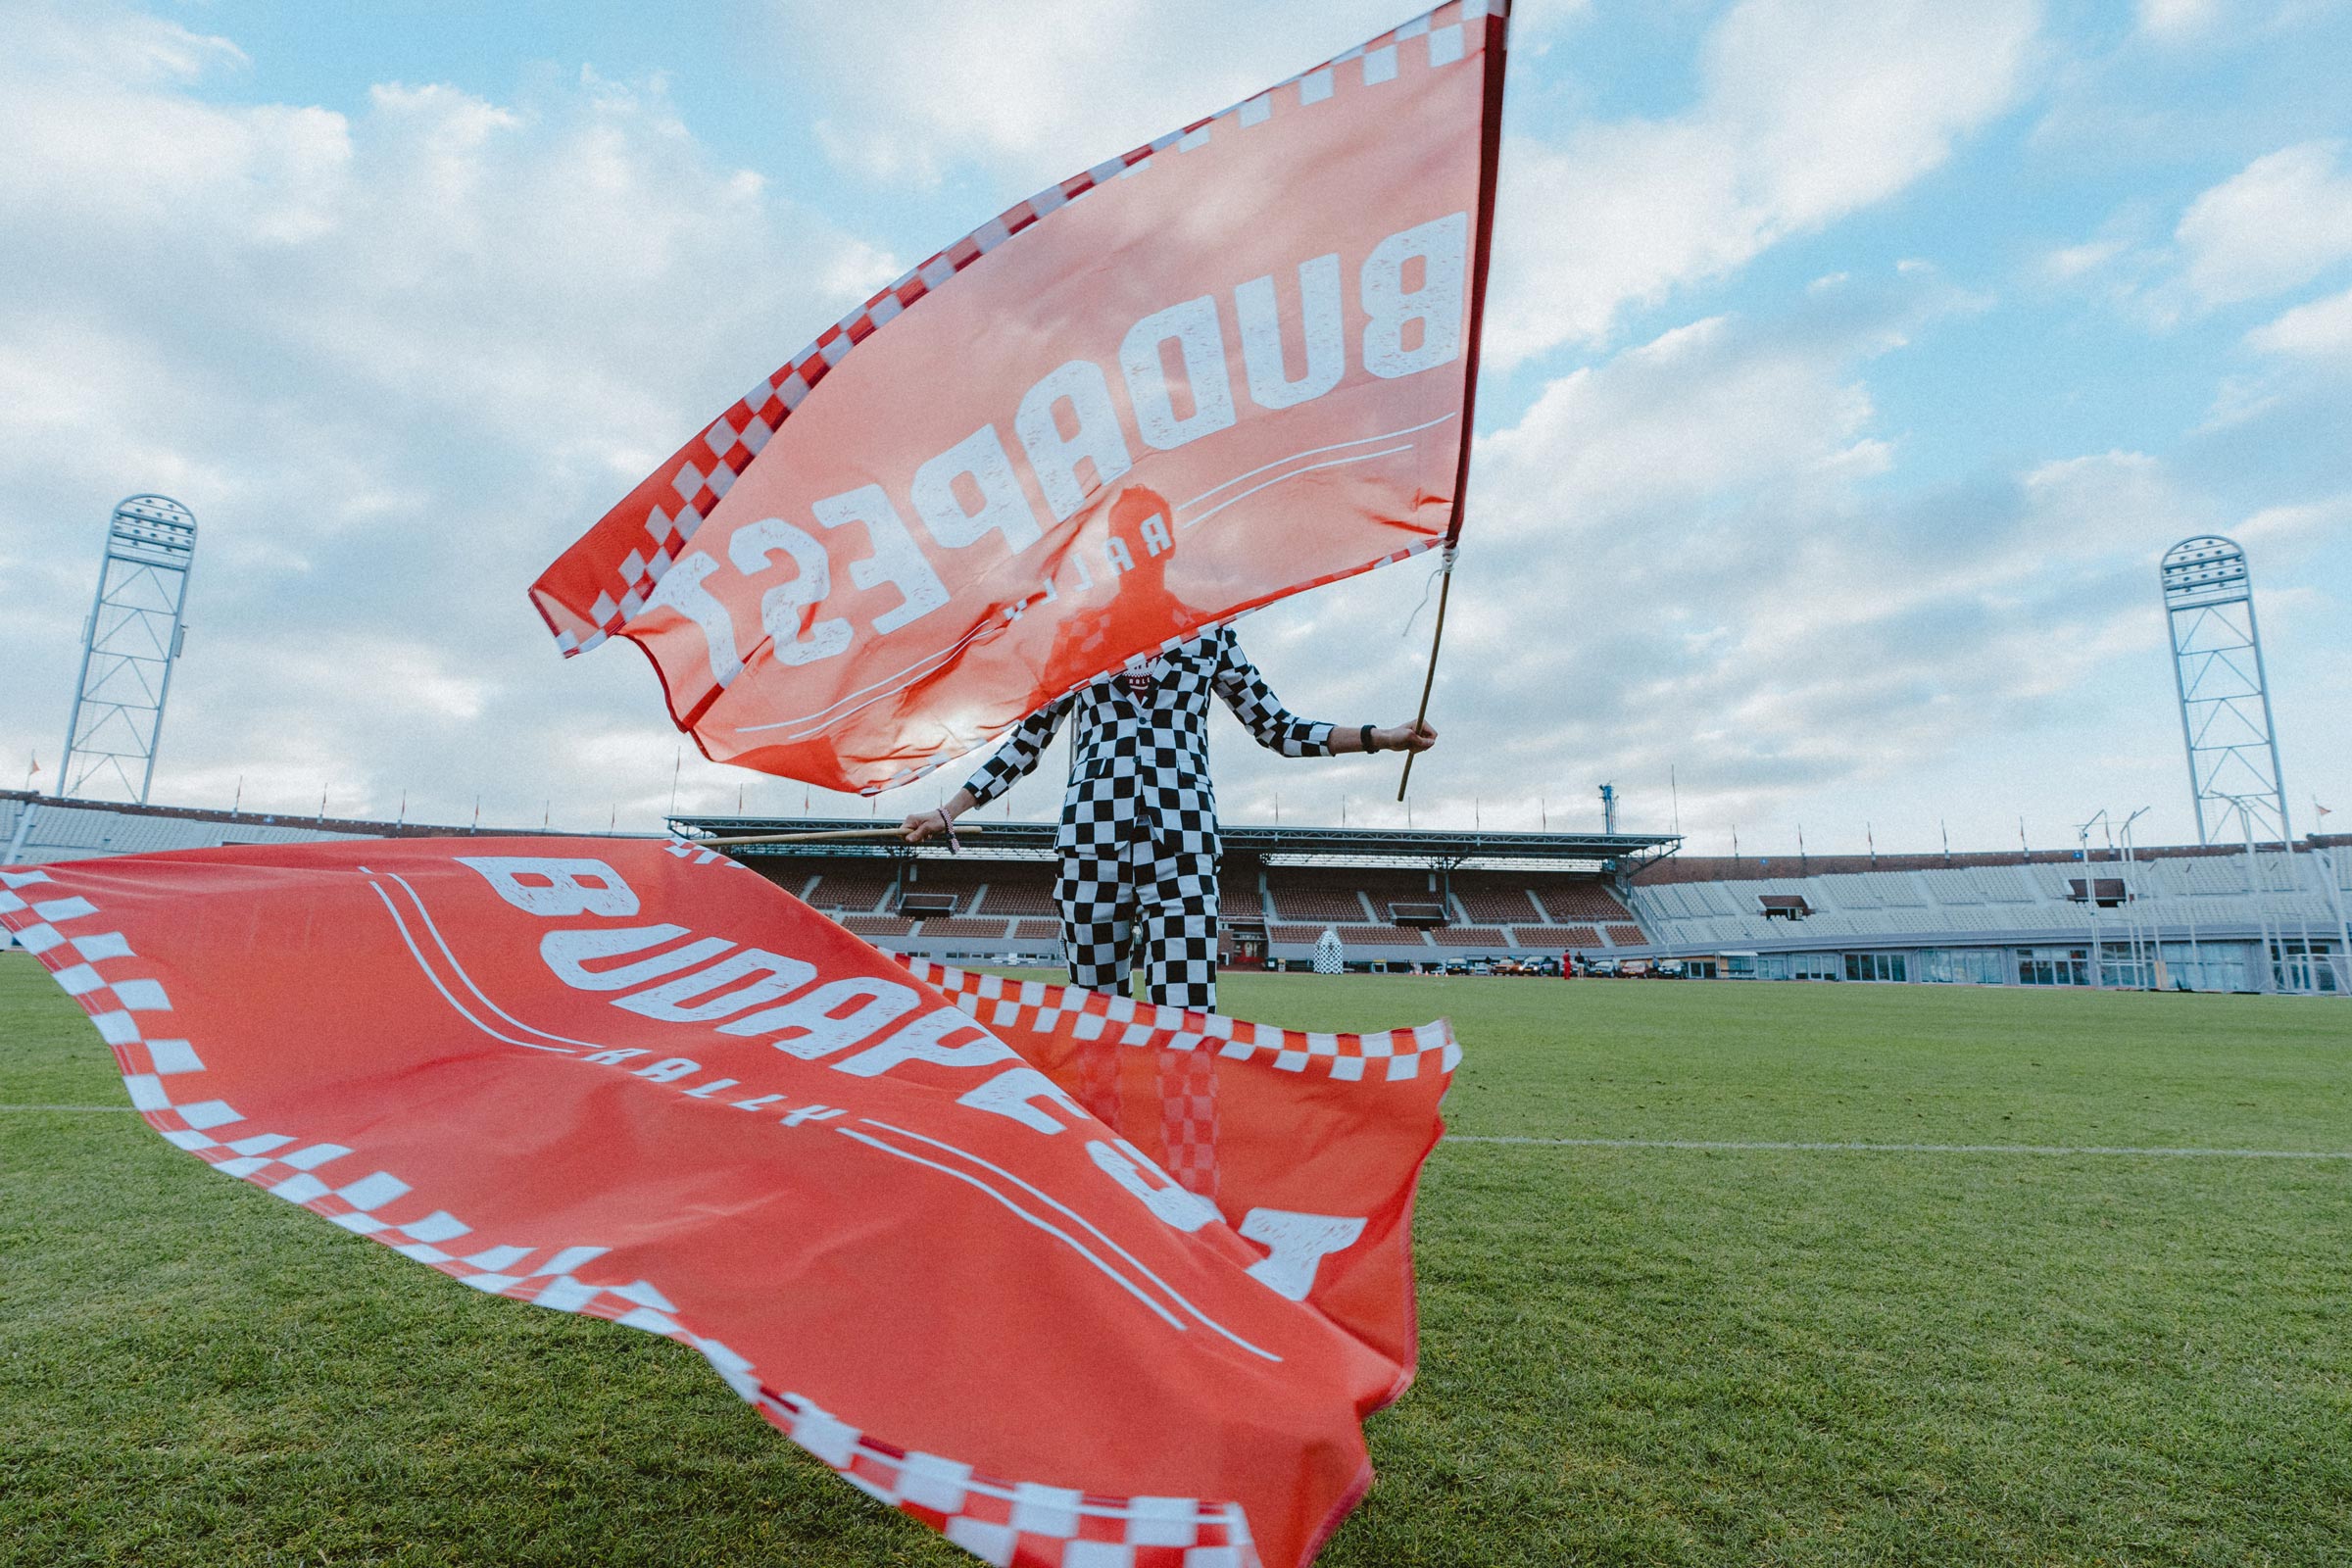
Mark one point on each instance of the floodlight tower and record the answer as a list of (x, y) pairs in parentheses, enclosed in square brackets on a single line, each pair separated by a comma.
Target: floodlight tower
[(2225, 694), (128, 647)]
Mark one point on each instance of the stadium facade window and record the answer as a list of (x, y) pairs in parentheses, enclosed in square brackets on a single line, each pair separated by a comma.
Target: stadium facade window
[(2209, 965), (1875, 966), (2124, 969), (2053, 966), (1972, 966), (1814, 966), (2297, 965)]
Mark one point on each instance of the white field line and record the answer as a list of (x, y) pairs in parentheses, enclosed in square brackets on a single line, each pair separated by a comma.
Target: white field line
[(1757, 1146), (1902, 1149)]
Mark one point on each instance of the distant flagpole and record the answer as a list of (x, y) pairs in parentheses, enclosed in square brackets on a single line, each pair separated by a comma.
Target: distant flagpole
[(35, 758)]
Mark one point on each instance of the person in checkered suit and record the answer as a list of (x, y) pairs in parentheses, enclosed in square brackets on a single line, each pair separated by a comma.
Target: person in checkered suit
[(1138, 844)]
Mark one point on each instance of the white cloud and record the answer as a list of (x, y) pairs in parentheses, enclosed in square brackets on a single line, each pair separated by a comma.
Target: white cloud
[(1805, 113), (1034, 95), (2321, 330), (2173, 22), (395, 359), (1687, 554), (2279, 222)]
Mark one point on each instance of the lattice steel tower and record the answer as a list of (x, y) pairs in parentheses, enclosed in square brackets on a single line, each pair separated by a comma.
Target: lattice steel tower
[(132, 639), (2225, 694)]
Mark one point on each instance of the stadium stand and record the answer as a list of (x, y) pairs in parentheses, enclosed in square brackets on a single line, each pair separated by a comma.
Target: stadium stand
[(1580, 902), (965, 928), (860, 886), (1017, 889), (35, 829), (877, 925), (2203, 912), (1314, 893), (1238, 897), (1490, 898), (1492, 936)]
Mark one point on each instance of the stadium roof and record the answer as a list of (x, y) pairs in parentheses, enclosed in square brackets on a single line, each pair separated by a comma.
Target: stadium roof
[(1426, 846)]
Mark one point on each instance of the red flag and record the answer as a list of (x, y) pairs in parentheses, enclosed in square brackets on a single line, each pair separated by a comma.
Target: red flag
[(1134, 1284), (1228, 366)]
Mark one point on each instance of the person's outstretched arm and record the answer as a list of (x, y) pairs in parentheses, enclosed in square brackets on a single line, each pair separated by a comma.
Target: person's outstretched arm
[(1278, 729), (1013, 762)]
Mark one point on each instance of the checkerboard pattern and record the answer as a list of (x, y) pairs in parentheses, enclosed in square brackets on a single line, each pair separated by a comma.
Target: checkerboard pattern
[(638, 541), (1032, 1005), (1137, 842), (1188, 1119), (1008, 1523)]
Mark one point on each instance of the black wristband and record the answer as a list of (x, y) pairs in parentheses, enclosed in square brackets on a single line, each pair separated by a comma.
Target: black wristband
[(1366, 736)]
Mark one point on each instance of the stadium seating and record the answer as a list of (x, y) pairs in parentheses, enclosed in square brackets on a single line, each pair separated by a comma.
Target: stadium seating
[(1238, 897), (1573, 901), (1625, 936), (1358, 935), (1314, 893), (877, 925), (1490, 899), (852, 885), (965, 927), (1472, 935), (1018, 888)]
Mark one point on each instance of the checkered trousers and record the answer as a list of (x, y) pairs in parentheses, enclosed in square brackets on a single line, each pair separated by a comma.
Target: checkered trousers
[(1138, 843)]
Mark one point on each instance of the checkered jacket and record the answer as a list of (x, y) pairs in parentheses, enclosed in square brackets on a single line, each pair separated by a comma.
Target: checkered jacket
[(1142, 766)]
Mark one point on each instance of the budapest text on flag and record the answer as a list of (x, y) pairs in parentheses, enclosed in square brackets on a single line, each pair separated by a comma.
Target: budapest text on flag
[(1228, 366), (1073, 1280)]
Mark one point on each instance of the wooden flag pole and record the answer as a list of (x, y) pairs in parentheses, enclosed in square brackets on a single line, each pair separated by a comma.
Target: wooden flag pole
[(831, 836), (1490, 158), (1437, 639)]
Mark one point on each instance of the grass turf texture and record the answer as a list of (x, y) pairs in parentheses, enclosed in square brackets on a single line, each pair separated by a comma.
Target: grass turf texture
[(1628, 1357)]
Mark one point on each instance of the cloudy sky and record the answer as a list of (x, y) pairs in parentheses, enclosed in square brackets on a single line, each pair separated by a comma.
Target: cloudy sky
[(1850, 364)]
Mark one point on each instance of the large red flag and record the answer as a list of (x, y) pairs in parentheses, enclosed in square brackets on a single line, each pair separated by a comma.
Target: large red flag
[(1226, 367), (1075, 1281)]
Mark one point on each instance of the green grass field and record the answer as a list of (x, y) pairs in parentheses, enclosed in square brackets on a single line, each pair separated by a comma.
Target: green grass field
[(1629, 1355)]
